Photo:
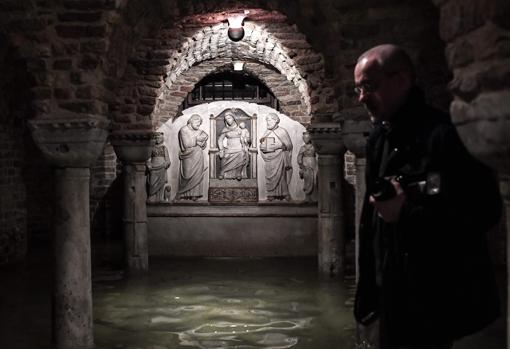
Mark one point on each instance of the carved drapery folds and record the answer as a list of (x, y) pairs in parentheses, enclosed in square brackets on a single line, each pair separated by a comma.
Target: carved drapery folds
[(192, 142), (157, 178), (232, 157), (307, 161), (248, 161), (276, 150)]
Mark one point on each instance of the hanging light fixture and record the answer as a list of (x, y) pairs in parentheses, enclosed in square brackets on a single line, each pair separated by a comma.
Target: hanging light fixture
[(238, 65), (235, 26)]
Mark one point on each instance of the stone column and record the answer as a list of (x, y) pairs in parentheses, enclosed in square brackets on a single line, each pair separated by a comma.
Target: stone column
[(354, 134), (360, 190), (72, 145), (326, 138), (133, 148), (72, 303)]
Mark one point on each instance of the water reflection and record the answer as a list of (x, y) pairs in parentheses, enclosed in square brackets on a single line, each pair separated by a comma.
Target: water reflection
[(223, 304)]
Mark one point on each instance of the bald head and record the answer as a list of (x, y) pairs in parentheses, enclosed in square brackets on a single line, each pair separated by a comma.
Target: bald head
[(390, 58), (383, 76)]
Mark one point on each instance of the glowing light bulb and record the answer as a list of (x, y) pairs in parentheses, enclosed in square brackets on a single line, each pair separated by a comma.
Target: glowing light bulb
[(238, 65), (235, 27)]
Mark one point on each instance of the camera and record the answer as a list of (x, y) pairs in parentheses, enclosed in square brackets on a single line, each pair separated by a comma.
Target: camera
[(382, 188), (425, 184)]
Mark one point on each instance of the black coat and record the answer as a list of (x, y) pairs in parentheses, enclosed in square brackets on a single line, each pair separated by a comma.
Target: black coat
[(428, 277)]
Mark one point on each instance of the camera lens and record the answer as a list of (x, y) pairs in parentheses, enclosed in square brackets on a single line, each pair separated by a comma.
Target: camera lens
[(382, 189)]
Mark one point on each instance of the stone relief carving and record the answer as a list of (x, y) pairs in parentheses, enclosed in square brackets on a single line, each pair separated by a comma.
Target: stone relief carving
[(232, 157), (157, 188), (307, 162), (276, 148), (233, 143), (230, 195), (192, 142)]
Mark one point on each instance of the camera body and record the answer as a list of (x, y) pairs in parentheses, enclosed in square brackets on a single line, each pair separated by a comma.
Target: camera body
[(425, 184), (382, 189)]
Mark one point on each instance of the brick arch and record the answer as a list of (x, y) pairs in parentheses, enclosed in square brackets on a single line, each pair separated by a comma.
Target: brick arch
[(164, 60), (172, 97), (259, 44)]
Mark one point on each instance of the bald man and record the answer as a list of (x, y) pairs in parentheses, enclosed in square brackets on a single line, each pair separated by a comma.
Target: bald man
[(424, 267)]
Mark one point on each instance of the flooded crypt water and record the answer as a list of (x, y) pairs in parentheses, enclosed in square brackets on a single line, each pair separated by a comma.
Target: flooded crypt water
[(222, 303)]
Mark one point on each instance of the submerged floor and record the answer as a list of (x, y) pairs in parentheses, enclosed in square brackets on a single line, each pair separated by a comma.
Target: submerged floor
[(223, 303), (205, 303)]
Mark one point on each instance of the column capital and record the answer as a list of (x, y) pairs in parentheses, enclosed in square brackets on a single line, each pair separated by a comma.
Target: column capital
[(133, 146), (354, 134), (327, 138), (71, 141)]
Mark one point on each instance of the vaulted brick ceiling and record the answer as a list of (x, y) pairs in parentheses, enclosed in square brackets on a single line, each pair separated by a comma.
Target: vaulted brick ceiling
[(185, 52)]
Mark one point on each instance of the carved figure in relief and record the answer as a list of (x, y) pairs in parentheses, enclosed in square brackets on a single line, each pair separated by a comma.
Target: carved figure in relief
[(245, 136), (276, 150), (192, 142), (157, 166), (233, 143), (307, 162)]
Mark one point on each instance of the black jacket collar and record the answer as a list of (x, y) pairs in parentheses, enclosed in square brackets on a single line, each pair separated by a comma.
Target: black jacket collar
[(409, 117)]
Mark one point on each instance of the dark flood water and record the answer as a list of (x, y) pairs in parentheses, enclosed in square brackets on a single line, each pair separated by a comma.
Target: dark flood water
[(222, 303), (208, 303)]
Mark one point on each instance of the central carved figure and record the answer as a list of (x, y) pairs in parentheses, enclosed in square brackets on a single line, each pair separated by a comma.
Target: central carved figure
[(233, 143)]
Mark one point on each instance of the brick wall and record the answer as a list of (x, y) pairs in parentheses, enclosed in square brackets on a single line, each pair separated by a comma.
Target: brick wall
[(26, 203), (13, 212), (113, 58)]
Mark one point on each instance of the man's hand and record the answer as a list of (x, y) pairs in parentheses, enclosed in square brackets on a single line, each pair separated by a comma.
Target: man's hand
[(389, 210)]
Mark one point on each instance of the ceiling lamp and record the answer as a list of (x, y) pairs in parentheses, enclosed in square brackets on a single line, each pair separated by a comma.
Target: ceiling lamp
[(235, 26), (238, 65)]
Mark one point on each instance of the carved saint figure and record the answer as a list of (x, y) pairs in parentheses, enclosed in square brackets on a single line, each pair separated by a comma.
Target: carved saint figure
[(192, 142), (157, 165), (276, 149), (233, 143), (307, 162)]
